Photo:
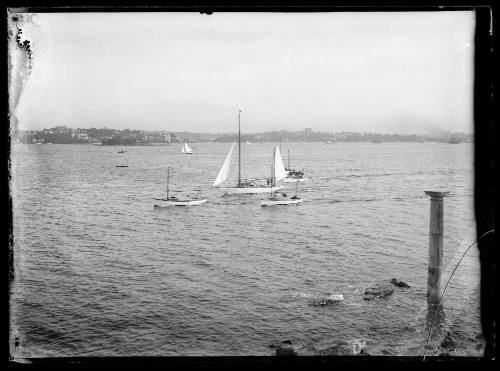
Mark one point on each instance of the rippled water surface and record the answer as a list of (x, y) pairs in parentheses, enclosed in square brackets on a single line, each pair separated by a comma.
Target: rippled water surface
[(99, 272)]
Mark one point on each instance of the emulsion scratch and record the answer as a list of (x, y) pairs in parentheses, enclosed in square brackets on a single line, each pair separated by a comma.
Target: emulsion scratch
[(20, 58), (20, 64)]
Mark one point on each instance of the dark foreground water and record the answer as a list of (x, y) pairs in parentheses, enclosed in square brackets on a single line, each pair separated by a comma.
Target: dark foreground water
[(99, 272)]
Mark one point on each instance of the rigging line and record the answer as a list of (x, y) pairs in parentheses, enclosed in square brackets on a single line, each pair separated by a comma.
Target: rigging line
[(442, 295)]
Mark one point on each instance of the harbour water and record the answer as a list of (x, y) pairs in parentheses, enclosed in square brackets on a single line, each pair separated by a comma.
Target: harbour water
[(100, 272)]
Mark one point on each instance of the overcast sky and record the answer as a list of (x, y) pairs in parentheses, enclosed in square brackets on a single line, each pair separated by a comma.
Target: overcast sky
[(379, 72)]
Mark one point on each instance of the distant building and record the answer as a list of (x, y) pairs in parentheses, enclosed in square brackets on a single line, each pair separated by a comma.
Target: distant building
[(308, 130)]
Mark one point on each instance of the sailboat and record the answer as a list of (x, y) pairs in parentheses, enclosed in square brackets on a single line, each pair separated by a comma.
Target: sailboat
[(293, 176), (244, 186), (278, 173), (333, 140), (174, 201), (186, 149)]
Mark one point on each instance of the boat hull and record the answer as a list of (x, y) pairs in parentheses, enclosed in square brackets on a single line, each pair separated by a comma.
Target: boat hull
[(181, 203), (294, 180), (249, 190), (279, 202)]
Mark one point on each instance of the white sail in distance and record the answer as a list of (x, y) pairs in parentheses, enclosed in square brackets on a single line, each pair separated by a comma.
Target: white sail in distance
[(186, 149), (224, 170), (279, 168)]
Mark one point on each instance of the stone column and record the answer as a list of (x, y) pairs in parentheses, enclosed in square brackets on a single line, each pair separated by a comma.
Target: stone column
[(435, 265)]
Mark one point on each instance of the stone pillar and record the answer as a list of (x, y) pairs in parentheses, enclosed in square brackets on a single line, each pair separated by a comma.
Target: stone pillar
[(435, 265)]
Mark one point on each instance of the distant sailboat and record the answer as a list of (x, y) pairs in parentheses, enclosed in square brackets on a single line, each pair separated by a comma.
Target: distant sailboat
[(244, 186), (186, 149), (333, 140), (278, 173), (174, 201)]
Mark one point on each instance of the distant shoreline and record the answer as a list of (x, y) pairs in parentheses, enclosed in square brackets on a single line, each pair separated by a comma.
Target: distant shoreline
[(266, 141)]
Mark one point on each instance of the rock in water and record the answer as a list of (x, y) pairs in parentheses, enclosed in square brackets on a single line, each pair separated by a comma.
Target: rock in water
[(282, 351), (329, 300), (399, 283), (285, 349), (377, 291), (448, 343), (341, 349)]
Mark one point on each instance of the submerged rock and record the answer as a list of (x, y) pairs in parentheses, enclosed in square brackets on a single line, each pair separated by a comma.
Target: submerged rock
[(276, 344), (479, 337), (329, 300), (448, 343), (285, 351), (285, 348), (377, 291), (341, 349), (400, 283)]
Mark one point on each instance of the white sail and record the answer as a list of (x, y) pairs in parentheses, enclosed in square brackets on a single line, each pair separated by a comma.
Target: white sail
[(224, 170), (186, 149), (279, 168)]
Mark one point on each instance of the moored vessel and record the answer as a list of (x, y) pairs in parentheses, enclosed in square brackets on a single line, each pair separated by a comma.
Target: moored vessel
[(278, 173), (244, 186), (175, 201)]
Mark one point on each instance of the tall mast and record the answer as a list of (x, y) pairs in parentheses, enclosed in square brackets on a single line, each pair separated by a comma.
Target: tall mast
[(273, 175), (239, 149), (168, 180), (288, 158)]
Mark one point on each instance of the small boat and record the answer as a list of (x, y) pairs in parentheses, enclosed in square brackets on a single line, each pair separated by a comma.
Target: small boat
[(186, 149), (121, 151), (293, 176), (294, 180), (175, 201), (279, 198), (332, 141), (121, 166), (244, 186), (276, 201)]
